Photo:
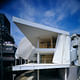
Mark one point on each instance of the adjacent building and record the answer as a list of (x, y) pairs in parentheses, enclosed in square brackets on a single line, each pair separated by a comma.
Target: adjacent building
[(7, 49)]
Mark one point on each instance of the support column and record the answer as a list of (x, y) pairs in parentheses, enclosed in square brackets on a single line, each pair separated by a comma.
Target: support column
[(66, 74), (37, 74), (38, 60), (14, 76)]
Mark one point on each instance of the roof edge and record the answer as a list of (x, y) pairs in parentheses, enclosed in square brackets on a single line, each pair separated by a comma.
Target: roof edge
[(40, 26)]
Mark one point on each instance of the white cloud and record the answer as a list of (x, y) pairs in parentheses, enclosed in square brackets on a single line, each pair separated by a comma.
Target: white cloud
[(60, 12), (27, 11), (49, 13), (74, 6), (59, 18), (65, 8)]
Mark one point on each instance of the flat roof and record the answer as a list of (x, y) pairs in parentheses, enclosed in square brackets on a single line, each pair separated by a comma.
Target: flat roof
[(39, 26)]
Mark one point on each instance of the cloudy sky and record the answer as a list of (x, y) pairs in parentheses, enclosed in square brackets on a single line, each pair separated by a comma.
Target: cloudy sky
[(61, 14)]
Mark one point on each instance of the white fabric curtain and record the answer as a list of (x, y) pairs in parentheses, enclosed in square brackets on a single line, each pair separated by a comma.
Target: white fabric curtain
[(62, 52), (24, 49), (66, 53)]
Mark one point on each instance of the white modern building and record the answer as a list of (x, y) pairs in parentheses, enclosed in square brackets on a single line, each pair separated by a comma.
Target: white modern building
[(44, 47)]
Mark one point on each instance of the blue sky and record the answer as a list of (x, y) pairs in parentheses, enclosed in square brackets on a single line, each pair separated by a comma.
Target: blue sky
[(61, 14)]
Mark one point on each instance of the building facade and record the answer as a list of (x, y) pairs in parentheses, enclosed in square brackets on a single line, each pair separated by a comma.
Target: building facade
[(7, 49)]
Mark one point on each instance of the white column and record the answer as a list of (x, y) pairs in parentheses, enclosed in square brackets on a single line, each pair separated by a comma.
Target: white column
[(38, 60), (38, 55), (66, 74), (14, 76)]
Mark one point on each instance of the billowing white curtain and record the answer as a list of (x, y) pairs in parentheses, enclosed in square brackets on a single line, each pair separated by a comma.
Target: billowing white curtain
[(66, 53), (24, 49), (62, 52)]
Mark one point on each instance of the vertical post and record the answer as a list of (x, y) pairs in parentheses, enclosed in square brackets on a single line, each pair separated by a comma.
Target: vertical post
[(38, 55), (38, 74), (65, 73), (38, 59), (14, 76), (51, 42)]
